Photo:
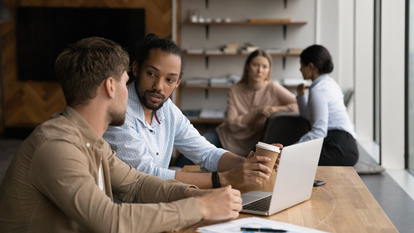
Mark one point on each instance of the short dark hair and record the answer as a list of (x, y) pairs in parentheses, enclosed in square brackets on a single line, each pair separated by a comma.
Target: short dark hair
[(320, 58), (83, 66), (245, 75), (152, 41)]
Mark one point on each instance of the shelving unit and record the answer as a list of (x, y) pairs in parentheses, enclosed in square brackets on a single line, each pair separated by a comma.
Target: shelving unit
[(273, 26), (246, 23), (207, 56), (206, 87)]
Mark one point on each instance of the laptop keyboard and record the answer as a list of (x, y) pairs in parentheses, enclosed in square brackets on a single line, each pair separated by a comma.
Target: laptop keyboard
[(259, 205)]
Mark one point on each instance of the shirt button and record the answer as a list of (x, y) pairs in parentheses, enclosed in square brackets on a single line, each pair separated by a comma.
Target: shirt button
[(88, 145), (157, 153), (150, 130)]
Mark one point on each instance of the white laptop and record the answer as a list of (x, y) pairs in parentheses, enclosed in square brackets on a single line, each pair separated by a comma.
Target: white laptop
[(293, 183)]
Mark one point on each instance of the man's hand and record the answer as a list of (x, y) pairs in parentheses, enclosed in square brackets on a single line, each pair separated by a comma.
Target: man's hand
[(217, 204), (251, 170)]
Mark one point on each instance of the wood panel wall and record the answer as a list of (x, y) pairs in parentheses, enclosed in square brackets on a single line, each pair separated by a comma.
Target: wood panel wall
[(29, 104)]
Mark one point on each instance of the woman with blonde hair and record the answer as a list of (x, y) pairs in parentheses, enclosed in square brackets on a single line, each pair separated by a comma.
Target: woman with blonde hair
[(250, 103)]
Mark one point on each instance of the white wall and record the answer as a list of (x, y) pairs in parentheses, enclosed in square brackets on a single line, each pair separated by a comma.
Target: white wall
[(328, 23), (327, 29), (335, 31), (392, 83), (364, 62), (262, 36)]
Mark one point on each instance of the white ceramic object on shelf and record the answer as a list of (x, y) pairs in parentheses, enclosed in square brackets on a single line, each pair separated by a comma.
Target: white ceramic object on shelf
[(194, 18)]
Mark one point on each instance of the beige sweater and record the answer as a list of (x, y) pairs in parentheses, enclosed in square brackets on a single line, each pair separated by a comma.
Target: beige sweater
[(238, 137)]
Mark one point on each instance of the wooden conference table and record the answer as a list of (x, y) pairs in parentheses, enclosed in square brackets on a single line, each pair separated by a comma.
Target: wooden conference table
[(343, 204)]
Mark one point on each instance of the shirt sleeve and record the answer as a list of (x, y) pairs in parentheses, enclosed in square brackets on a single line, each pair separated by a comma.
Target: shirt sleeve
[(318, 113), (132, 148), (194, 146), (286, 97), (60, 171), (302, 104)]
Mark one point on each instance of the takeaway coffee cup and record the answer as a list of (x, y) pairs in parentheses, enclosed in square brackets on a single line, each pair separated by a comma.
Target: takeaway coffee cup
[(267, 150)]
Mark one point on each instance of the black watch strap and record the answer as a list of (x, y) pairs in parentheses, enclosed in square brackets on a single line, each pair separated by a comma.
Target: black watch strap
[(215, 178)]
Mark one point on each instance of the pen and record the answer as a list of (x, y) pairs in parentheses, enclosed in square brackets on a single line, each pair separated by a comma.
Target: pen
[(261, 229)]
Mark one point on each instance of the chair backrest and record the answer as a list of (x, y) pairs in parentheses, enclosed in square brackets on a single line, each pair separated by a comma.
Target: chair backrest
[(348, 93), (285, 128)]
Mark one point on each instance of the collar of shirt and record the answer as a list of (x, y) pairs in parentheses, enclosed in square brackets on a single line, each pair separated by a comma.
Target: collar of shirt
[(88, 134), (319, 79), (136, 108)]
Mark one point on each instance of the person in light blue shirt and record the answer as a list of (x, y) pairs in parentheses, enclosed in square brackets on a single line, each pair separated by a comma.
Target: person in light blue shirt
[(325, 109), (154, 125)]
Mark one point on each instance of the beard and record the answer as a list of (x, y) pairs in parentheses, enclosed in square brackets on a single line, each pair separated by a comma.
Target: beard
[(147, 104)]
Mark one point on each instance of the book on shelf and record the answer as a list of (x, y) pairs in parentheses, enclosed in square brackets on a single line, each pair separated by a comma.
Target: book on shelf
[(220, 82), (213, 51), (224, 80), (212, 113), (273, 50), (294, 51), (229, 51), (294, 82), (216, 81), (191, 113), (197, 81), (195, 51), (249, 48), (282, 20), (233, 78), (230, 48)]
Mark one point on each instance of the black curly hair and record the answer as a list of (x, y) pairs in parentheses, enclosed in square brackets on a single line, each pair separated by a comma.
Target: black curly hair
[(152, 41)]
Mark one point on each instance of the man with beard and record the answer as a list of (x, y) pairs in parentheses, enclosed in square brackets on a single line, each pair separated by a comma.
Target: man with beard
[(154, 125), (64, 174)]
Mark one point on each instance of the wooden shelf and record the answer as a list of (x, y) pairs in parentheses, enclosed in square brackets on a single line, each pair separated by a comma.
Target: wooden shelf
[(205, 87), (206, 120), (246, 23), (207, 56), (238, 55)]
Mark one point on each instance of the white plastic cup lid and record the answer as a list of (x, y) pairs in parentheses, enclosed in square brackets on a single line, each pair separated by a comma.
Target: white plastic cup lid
[(268, 147)]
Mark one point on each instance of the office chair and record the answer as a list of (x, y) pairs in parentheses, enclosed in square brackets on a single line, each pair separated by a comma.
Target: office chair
[(348, 93), (285, 128)]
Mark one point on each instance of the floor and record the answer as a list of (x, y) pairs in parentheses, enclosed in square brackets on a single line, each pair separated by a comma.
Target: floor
[(393, 189)]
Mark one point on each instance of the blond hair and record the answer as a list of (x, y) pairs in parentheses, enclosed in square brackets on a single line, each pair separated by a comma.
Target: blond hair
[(245, 76)]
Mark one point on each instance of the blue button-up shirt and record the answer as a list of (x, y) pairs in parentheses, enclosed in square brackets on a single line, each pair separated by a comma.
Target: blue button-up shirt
[(325, 109), (148, 148)]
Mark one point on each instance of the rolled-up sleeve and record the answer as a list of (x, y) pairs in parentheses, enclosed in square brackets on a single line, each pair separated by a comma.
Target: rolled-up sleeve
[(195, 147), (62, 174), (285, 97)]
